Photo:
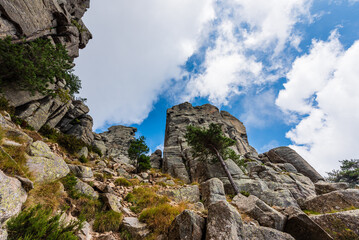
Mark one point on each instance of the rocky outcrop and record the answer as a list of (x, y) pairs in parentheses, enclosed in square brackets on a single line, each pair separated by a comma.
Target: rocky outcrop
[(44, 164), (156, 159), (86, 189), (288, 155), (265, 233), (186, 194), (117, 140), (12, 196), (60, 22), (333, 201), (81, 171), (301, 227), (137, 229), (177, 158), (340, 224), (188, 225), (322, 187), (260, 211)]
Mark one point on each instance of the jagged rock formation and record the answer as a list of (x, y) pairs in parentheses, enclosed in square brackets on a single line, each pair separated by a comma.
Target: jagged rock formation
[(177, 159), (116, 140), (59, 21)]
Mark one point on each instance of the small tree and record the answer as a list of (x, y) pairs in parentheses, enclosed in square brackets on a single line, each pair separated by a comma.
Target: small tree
[(137, 153), (349, 172), (211, 145)]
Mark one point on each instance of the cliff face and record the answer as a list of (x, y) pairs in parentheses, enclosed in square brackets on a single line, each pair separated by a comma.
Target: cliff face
[(60, 21), (177, 158)]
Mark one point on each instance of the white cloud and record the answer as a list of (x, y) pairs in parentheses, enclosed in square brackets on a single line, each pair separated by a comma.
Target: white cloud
[(323, 85), (250, 39), (137, 47)]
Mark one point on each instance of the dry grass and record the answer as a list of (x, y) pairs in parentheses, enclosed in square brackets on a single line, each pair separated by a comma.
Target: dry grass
[(49, 195), (160, 217), (13, 161)]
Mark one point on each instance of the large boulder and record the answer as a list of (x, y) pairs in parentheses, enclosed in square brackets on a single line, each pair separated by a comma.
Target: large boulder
[(333, 201), (301, 227), (12, 196), (44, 164), (288, 155), (264, 233), (184, 194), (113, 202), (137, 229), (224, 222), (187, 226), (86, 189), (81, 171), (260, 211), (177, 157), (322, 187), (212, 191), (340, 224)]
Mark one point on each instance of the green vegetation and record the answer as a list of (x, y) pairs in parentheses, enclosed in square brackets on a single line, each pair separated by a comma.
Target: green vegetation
[(13, 161), (245, 193), (38, 224), (144, 197), (78, 25), (211, 145), (69, 183), (35, 66), (310, 212), (349, 172), (137, 152), (123, 182), (107, 221), (70, 143), (83, 159), (160, 217)]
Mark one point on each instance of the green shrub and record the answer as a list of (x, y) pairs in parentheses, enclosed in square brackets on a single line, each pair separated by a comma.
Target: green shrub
[(69, 183), (83, 159), (5, 106), (245, 193), (35, 66), (144, 163), (88, 208), (123, 182), (95, 149), (107, 221), (38, 224)]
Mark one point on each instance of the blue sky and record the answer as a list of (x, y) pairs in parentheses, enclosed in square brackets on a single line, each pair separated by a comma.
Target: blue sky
[(287, 69)]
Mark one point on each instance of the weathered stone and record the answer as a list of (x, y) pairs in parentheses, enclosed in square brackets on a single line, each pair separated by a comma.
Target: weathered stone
[(340, 224), (83, 152), (264, 233), (137, 229), (156, 159), (3, 234), (117, 140), (288, 155), (189, 193), (301, 227), (81, 171), (187, 226), (85, 232), (322, 187), (177, 157), (26, 183), (212, 191), (333, 201), (224, 222), (12, 196), (260, 211), (113, 202), (86, 189), (44, 164), (100, 145)]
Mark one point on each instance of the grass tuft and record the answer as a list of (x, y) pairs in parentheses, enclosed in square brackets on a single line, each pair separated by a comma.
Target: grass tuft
[(123, 182), (107, 221)]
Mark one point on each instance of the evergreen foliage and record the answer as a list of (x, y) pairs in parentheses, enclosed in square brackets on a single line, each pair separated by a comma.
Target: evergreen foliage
[(35, 66), (211, 145), (349, 172), (137, 152), (39, 224)]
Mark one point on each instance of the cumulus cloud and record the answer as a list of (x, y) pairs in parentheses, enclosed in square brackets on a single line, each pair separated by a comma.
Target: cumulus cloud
[(250, 37), (137, 47), (322, 89)]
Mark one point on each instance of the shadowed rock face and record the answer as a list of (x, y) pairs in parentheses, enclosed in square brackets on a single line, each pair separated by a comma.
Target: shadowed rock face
[(60, 22), (177, 157)]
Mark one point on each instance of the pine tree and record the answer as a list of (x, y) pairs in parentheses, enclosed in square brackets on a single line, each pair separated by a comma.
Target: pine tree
[(137, 152), (211, 145)]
